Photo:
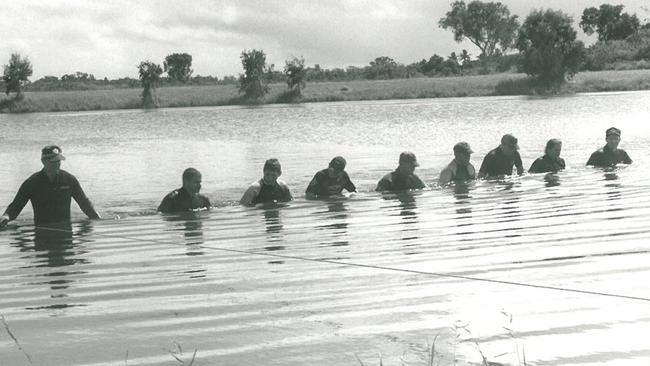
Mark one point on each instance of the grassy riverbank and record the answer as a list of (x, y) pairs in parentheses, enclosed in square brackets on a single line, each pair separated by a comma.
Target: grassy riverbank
[(462, 86)]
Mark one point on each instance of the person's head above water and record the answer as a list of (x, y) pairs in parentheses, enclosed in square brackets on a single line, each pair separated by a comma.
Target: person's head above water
[(192, 181), (613, 137), (336, 166), (462, 153), (509, 144), (51, 157), (272, 170), (553, 148), (407, 162)]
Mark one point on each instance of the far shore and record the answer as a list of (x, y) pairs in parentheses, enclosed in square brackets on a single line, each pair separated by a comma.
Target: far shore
[(218, 95)]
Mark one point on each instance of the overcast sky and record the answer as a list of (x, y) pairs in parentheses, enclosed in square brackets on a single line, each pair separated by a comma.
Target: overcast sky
[(110, 38)]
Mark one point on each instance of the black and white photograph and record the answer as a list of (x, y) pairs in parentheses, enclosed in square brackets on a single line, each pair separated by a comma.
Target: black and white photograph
[(347, 182)]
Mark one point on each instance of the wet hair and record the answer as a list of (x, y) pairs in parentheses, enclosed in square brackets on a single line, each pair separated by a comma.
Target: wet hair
[(273, 165), (551, 143), (338, 163), (190, 173)]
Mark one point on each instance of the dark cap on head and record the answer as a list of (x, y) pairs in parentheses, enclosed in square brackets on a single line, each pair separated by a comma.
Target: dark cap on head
[(509, 140), (52, 153), (273, 165), (462, 148), (613, 131), (338, 163), (407, 157)]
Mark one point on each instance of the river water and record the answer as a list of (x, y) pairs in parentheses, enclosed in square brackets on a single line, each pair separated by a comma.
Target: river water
[(550, 269)]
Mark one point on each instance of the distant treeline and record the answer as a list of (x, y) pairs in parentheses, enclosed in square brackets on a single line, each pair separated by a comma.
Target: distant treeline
[(382, 68), (628, 54), (85, 81), (623, 44)]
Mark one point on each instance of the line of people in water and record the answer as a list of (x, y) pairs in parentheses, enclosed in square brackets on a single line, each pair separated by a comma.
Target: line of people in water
[(51, 189)]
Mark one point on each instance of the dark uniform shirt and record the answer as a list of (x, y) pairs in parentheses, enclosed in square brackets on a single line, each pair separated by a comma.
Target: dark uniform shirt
[(278, 192), (462, 174), (324, 185), (605, 157), (398, 182), (180, 200), (50, 200), (545, 165), (497, 163)]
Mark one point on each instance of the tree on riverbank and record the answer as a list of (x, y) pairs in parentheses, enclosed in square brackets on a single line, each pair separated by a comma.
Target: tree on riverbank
[(547, 42), (609, 22), (254, 82), (487, 25), (149, 73), (295, 72), (178, 66), (16, 74)]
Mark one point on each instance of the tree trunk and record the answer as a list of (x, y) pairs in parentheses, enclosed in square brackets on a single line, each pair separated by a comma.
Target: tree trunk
[(149, 98)]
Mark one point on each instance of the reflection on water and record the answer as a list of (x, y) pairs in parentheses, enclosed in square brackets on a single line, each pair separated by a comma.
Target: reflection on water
[(335, 225), (204, 279), (273, 228), (551, 180), (191, 225), (463, 199), (613, 193), (57, 247), (405, 204)]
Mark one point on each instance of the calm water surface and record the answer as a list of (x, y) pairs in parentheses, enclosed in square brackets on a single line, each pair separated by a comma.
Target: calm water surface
[(325, 282)]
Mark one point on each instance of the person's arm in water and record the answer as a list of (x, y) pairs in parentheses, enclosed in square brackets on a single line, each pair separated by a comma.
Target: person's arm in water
[(83, 201), (250, 194), (536, 167), (626, 158), (206, 203), (166, 204), (384, 184), (445, 177), (348, 185), (594, 159), (518, 164), (286, 192), (16, 206), (418, 183), (312, 189), (485, 165)]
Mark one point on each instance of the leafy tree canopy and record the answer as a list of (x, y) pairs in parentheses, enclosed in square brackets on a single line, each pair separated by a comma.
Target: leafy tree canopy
[(487, 25), (609, 22), (296, 73), (178, 66), (382, 67), (254, 81), (548, 44), (149, 73), (16, 73)]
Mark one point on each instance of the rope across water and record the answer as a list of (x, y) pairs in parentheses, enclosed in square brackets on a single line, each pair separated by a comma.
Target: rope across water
[(377, 267)]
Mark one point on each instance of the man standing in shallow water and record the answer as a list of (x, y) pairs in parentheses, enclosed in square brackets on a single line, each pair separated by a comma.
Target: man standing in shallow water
[(610, 154), (460, 169), (330, 181), (50, 191), (499, 161), (186, 198), (403, 178), (269, 188)]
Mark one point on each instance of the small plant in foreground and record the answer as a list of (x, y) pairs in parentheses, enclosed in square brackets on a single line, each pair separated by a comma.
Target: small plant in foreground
[(177, 353)]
